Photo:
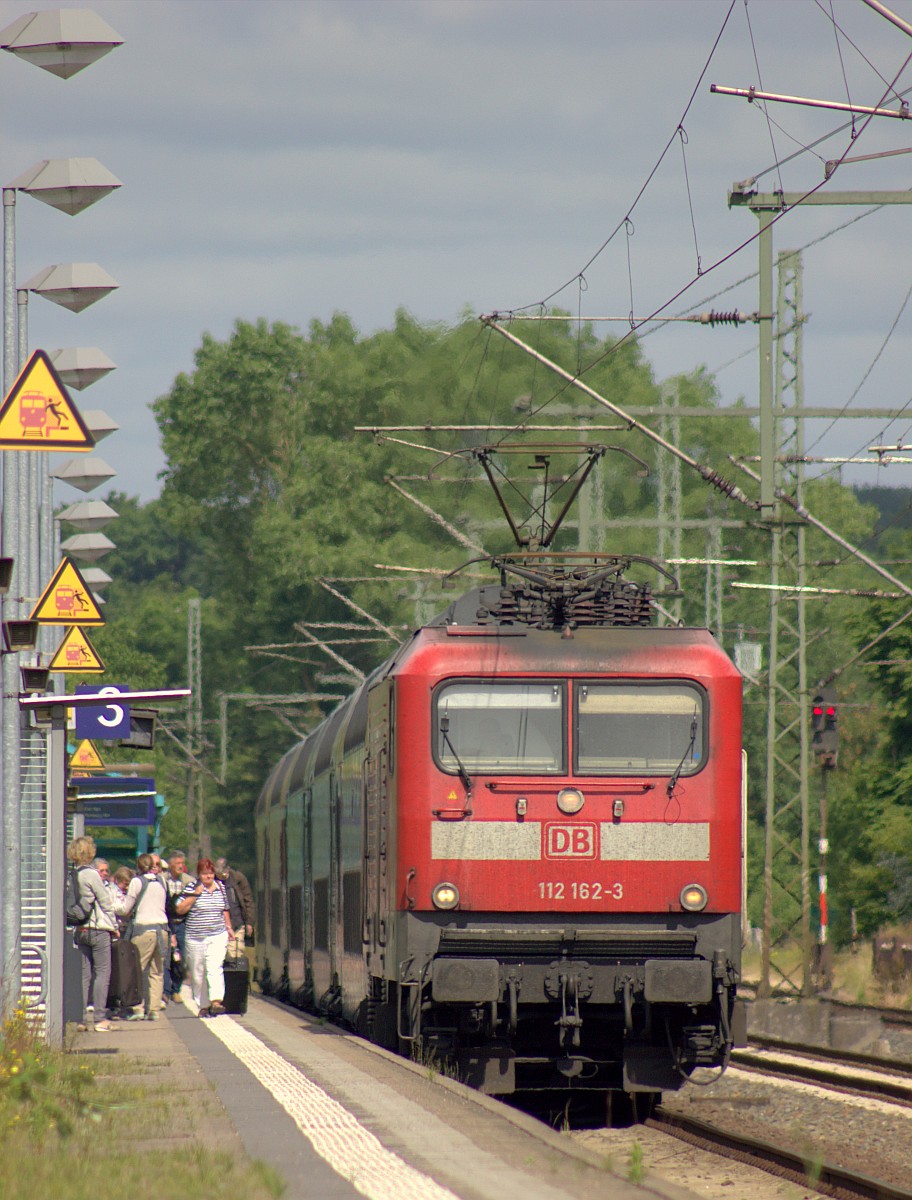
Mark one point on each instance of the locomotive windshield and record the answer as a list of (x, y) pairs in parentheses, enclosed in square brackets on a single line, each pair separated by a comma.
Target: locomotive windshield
[(629, 728), (496, 727)]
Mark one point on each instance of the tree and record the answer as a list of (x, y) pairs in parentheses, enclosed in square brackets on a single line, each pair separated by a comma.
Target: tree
[(268, 488)]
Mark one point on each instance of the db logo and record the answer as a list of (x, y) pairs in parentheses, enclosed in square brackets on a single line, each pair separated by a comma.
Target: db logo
[(570, 841)]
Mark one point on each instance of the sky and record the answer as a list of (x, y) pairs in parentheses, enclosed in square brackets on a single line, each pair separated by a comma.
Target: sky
[(286, 159)]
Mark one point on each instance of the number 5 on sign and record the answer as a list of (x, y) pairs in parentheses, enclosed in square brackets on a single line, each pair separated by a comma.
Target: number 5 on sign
[(104, 720)]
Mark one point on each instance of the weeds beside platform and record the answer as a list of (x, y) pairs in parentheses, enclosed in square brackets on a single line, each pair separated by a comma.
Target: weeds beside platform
[(94, 1115)]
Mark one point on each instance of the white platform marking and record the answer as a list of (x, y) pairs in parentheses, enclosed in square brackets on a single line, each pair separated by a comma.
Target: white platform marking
[(339, 1138)]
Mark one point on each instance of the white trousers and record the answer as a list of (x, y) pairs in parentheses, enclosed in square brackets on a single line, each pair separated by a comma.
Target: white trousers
[(204, 962)]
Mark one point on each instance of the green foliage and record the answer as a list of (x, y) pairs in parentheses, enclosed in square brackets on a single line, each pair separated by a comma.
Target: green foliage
[(42, 1095), (268, 489), (62, 1132), (636, 1169), (873, 804)]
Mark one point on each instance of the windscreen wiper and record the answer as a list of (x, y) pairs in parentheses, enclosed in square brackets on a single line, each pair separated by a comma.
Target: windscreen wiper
[(463, 773), (673, 781)]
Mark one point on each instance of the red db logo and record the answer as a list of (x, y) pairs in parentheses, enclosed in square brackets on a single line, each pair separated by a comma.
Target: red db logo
[(570, 841)]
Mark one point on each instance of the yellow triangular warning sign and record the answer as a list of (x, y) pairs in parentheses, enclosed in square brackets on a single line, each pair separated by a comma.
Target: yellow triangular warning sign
[(67, 600), (86, 757), (38, 414), (76, 653)]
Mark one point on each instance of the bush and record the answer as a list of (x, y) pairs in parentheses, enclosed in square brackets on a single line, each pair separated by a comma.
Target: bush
[(40, 1090)]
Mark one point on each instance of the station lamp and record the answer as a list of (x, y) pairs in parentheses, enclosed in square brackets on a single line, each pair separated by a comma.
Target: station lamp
[(34, 679), (19, 635), (61, 40)]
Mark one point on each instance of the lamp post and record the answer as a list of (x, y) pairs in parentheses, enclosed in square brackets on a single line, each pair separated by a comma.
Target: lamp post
[(73, 286), (61, 41)]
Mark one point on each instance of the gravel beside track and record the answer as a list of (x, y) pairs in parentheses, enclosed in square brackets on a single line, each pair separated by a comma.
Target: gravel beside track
[(866, 1136), (706, 1175)]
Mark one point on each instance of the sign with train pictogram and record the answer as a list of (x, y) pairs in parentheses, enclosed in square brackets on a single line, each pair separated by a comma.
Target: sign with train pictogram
[(38, 414), (67, 600), (77, 654), (86, 759)]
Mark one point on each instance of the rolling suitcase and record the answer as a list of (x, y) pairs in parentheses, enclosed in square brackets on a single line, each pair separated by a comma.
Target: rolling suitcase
[(237, 984), (126, 986)]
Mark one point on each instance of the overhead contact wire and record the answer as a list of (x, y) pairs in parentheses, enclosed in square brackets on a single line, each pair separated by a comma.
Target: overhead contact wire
[(763, 105), (682, 135), (620, 225), (867, 373), (748, 241), (845, 79), (858, 50)]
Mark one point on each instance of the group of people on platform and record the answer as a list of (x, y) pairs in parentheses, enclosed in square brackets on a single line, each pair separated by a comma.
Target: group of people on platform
[(183, 927)]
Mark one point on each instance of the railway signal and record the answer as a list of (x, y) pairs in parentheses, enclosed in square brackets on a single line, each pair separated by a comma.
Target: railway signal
[(824, 716), (825, 744)]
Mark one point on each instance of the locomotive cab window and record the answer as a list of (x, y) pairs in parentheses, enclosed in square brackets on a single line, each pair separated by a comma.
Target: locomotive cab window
[(491, 728), (639, 728)]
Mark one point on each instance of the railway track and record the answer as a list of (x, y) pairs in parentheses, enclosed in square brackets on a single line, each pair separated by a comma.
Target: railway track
[(871, 1088), (837, 1070), (826, 1178)]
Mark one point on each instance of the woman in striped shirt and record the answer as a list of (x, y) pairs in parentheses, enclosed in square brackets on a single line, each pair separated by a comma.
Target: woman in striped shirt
[(204, 906)]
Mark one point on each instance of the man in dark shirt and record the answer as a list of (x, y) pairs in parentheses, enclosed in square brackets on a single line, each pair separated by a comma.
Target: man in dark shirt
[(176, 879), (240, 903)]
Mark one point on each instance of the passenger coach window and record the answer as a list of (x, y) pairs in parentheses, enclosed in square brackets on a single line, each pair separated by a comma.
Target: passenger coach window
[(624, 729), (500, 727)]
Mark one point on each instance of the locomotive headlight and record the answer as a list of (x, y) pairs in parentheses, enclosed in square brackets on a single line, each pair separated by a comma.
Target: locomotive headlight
[(445, 896), (570, 800), (694, 897)]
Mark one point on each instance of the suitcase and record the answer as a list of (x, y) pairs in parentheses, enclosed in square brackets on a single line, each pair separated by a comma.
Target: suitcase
[(237, 984), (126, 987)]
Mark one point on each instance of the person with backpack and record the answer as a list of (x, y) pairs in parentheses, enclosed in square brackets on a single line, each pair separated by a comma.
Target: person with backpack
[(91, 914), (146, 900)]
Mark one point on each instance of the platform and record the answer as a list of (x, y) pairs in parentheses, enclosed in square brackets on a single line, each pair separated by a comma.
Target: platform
[(339, 1118)]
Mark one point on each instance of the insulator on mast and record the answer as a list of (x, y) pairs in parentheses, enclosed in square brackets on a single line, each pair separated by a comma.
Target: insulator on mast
[(734, 317)]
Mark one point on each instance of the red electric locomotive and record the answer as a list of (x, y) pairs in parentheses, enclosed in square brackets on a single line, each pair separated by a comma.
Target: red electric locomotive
[(519, 845)]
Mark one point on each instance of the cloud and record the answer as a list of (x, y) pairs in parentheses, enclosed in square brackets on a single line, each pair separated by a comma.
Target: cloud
[(285, 159)]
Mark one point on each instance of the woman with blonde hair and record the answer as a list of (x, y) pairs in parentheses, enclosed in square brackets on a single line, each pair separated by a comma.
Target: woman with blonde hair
[(94, 937)]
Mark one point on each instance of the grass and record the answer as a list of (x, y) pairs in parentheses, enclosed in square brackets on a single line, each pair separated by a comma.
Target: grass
[(63, 1128), (813, 1168), (427, 1057), (636, 1168), (435, 1065), (853, 977)]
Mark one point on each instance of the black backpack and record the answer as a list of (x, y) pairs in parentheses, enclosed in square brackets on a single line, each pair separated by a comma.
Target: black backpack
[(77, 911)]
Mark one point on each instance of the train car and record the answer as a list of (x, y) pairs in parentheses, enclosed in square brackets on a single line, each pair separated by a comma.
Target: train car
[(518, 846)]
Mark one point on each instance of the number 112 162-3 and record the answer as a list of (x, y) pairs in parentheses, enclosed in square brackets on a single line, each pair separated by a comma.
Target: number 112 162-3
[(577, 890)]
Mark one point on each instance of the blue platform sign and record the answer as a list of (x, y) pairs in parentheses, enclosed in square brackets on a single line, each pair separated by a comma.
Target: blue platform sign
[(115, 800), (107, 720)]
